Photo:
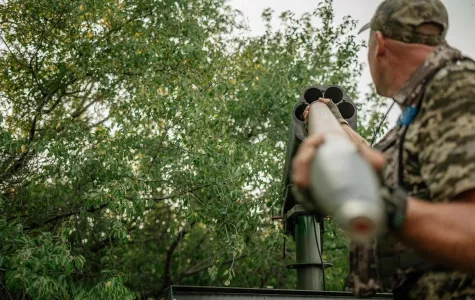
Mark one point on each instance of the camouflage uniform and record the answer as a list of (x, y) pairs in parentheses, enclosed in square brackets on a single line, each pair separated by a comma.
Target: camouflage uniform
[(431, 154)]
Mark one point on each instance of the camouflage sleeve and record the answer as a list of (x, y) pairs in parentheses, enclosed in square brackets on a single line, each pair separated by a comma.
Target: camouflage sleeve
[(447, 136)]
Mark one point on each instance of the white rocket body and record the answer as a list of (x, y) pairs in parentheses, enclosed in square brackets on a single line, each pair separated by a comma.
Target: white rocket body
[(343, 183)]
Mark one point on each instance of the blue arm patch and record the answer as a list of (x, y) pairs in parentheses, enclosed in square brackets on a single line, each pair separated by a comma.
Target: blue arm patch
[(407, 116)]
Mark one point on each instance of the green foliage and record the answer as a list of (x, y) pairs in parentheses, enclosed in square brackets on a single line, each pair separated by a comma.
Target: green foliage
[(39, 263), (373, 109), (335, 251), (142, 144)]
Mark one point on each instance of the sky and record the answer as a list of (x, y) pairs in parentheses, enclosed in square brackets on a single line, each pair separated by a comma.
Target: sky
[(460, 34)]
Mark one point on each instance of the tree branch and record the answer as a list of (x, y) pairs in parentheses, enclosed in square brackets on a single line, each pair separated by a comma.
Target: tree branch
[(82, 110), (61, 87), (31, 136), (196, 269), (183, 193), (200, 243), (191, 191), (66, 215), (44, 34), (47, 111), (20, 162), (11, 52), (35, 78), (168, 262), (100, 122)]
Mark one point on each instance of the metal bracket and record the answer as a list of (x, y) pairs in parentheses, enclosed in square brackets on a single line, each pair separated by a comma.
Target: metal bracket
[(315, 264)]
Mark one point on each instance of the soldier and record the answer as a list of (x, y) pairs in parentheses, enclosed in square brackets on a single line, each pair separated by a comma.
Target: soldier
[(426, 162)]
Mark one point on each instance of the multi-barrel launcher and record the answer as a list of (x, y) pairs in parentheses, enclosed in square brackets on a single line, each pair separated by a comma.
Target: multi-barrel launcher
[(298, 131), (343, 184)]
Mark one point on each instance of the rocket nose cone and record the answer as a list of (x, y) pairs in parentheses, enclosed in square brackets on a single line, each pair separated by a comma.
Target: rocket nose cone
[(362, 220), (362, 229)]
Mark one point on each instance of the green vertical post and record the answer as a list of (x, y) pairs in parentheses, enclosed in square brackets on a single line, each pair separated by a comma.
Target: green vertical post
[(309, 265)]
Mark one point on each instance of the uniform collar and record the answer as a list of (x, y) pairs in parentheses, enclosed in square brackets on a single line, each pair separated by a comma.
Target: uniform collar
[(441, 55)]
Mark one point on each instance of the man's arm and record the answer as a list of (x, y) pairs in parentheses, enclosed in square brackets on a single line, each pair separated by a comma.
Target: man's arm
[(355, 137), (442, 232), (445, 231)]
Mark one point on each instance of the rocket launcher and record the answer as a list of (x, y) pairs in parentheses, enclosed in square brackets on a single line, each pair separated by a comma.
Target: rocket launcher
[(343, 184)]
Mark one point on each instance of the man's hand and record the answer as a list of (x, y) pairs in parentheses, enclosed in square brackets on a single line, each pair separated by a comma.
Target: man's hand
[(333, 108), (306, 152), (303, 159), (307, 110)]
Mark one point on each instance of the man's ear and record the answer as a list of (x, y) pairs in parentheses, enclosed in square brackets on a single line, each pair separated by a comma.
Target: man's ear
[(380, 44)]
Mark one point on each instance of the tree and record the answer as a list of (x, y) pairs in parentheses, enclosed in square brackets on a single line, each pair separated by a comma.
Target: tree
[(142, 142)]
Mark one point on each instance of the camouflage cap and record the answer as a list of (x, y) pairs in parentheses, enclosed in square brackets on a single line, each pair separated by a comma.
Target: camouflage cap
[(400, 19)]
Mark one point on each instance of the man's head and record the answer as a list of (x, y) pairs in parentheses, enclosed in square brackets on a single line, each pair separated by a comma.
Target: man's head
[(402, 34)]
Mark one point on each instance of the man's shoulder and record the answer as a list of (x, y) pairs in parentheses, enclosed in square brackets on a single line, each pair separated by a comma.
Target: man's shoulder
[(457, 75), (445, 133), (451, 85)]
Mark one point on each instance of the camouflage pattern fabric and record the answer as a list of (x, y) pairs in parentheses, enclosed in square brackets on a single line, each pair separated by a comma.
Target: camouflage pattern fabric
[(364, 279), (400, 20), (438, 163)]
